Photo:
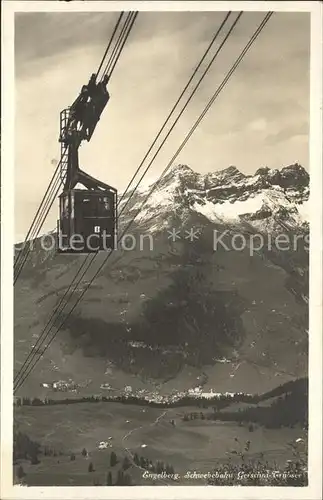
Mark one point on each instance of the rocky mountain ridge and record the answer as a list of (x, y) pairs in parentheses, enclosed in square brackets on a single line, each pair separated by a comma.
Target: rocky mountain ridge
[(265, 200)]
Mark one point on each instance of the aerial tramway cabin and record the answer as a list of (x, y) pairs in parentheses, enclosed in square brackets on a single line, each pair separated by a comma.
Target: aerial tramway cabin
[(87, 220), (87, 215)]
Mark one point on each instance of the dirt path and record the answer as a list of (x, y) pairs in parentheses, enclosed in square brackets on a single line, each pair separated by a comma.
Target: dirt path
[(155, 422), (129, 433)]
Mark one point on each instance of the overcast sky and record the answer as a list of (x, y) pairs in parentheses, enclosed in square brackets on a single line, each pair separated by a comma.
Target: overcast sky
[(260, 118)]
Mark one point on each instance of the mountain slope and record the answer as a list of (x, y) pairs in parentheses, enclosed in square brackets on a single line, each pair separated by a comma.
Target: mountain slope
[(171, 313)]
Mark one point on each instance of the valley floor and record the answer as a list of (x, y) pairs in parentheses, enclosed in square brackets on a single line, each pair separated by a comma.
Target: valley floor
[(144, 435)]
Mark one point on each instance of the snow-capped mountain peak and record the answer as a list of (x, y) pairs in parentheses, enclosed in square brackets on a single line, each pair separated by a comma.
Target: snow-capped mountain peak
[(226, 196)]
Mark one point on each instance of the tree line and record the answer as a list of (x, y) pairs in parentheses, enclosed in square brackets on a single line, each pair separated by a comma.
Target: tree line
[(158, 467), (288, 410), (25, 449), (202, 402), (298, 386)]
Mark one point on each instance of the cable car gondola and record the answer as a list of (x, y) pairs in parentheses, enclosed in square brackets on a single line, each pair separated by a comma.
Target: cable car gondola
[(87, 217)]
